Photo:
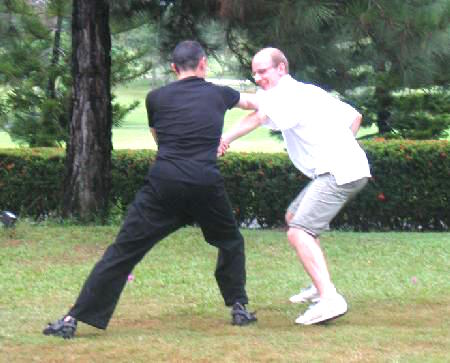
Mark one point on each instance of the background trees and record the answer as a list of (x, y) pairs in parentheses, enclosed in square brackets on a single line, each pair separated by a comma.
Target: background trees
[(401, 46), (376, 54), (388, 57), (371, 52), (34, 68)]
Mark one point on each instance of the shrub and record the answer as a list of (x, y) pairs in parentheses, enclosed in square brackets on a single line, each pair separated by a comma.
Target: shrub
[(409, 190), (422, 115), (31, 180)]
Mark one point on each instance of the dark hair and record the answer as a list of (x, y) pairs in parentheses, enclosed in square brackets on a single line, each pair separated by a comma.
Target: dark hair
[(187, 55)]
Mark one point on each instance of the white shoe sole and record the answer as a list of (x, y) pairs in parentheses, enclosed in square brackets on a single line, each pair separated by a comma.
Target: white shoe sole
[(321, 320), (295, 300), (337, 307)]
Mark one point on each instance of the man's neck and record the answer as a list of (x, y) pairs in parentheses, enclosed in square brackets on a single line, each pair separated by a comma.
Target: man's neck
[(187, 74)]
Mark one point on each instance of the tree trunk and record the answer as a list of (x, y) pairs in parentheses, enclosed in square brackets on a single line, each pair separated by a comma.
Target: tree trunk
[(88, 159), (383, 98), (384, 103), (55, 56)]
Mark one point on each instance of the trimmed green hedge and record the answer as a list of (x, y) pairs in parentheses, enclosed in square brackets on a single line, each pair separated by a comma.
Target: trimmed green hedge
[(410, 188)]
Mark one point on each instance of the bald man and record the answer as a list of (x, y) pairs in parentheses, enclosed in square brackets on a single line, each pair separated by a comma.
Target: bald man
[(319, 132)]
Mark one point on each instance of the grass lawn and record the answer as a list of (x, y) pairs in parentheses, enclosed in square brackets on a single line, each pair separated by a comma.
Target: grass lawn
[(134, 133), (396, 285)]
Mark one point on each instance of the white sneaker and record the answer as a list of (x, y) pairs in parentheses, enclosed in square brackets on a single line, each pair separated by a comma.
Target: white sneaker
[(308, 294), (326, 309)]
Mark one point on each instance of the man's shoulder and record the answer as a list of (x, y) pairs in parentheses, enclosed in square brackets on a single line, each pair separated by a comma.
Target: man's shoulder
[(220, 87), (153, 93), (313, 91), (290, 82), (225, 92)]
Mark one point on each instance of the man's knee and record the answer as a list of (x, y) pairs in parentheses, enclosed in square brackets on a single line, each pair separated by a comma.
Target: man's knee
[(293, 237), (298, 237)]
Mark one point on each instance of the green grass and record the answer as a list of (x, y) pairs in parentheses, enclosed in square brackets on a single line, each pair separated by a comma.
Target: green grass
[(5, 141), (134, 133), (172, 311)]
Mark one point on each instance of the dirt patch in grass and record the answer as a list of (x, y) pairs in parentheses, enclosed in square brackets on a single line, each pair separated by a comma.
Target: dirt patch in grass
[(77, 252), (379, 332), (84, 251), (12, 243), (391, 315)]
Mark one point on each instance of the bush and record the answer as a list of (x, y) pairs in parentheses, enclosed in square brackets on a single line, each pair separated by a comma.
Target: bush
[(422, 115), (409, 190), (31, 180), (413, 114)]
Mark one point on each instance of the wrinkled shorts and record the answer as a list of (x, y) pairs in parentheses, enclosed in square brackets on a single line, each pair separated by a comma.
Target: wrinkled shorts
[(320, 201)]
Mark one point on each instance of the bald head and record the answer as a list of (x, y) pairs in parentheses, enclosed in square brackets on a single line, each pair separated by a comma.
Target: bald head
[(275, 55), (269, 65)]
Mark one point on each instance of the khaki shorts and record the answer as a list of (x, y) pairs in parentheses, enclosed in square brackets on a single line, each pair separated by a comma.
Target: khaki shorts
[(320, 201)]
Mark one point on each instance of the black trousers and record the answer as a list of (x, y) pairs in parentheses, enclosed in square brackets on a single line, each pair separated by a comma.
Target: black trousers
[(160, 208)]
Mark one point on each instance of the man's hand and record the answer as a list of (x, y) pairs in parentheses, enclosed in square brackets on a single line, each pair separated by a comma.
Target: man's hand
[(223, 147), (155, 137)]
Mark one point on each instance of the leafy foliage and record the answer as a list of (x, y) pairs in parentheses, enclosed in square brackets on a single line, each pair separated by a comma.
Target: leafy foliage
[(374, 47), (409, 190), (31, 113), (368, 51), (422, 114), (35, 72)]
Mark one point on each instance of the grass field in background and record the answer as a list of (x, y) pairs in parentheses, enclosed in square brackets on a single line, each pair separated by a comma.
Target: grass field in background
[(135, 134), (396, 285)]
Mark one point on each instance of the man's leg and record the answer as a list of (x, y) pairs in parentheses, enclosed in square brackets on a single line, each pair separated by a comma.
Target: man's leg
[(231, 275), (310, 293), (310, 215), (212, 210), (311, 256), (146, 223)]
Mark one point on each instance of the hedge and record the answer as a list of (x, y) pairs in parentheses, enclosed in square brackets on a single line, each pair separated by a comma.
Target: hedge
[(409, 190)]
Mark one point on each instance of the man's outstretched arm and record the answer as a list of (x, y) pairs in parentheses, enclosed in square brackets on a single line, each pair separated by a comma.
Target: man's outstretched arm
[(247, 101), (244, 126)]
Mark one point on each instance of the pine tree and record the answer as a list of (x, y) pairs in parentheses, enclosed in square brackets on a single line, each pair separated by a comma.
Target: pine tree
[(378, 46), (35, 61), (31, 62), (399, 45)]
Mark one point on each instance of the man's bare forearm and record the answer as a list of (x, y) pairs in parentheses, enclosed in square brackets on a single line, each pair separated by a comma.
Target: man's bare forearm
[(153, 132), (244, 126)]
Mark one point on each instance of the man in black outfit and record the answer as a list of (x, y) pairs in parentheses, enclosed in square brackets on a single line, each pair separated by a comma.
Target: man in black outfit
[(184, 185)]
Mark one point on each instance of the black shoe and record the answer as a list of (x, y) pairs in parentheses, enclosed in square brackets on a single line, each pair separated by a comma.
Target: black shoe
[(62, 328), (240, 316)]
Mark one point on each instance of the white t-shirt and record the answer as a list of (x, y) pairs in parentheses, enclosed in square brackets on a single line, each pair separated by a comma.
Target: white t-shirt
[(316, 130)]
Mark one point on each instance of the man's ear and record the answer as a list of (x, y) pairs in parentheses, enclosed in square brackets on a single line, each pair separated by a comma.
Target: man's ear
[(282, 68), (203, 63), (174, 68)]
